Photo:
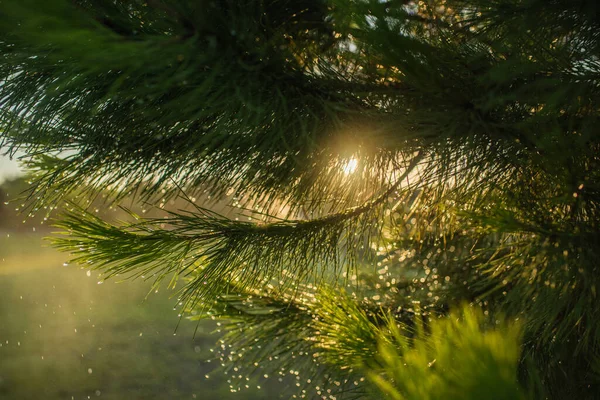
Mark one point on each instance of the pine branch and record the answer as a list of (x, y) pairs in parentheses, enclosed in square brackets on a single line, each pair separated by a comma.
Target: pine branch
[(221, 249), (200, 136), (277, 334), (331, 333)]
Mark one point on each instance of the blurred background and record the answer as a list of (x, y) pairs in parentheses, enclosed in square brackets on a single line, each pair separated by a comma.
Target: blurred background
[(67, 334)]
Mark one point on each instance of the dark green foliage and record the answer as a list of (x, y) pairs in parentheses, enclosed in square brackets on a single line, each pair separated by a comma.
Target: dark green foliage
[(391, 160)]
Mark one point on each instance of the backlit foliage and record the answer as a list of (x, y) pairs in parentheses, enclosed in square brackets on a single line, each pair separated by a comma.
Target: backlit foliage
[(386, 162)]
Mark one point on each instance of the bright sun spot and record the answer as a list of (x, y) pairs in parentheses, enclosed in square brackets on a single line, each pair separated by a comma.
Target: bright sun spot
[(350, 166)]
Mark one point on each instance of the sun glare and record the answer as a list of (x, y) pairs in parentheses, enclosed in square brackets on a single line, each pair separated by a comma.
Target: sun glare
[(350, 166)]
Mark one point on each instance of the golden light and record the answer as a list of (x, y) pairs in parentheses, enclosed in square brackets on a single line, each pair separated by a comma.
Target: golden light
[(350, 166)]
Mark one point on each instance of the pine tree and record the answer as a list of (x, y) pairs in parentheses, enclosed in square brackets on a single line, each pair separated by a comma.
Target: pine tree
[(416, 183)]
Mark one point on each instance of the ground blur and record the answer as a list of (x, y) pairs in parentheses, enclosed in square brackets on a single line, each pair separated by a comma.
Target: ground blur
[(66, 334)]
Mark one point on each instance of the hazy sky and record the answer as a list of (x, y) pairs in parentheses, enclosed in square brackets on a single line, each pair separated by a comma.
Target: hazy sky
[(8, 168)]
